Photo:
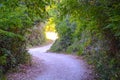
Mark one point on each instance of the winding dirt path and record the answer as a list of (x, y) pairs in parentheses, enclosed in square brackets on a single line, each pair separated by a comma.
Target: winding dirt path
[(60, 66)]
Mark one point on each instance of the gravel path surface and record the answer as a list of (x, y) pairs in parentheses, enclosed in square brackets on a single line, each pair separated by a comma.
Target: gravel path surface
[(61, 66), (52, 66), (27, 72)]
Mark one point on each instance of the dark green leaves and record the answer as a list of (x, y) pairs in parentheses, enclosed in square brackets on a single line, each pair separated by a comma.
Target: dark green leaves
[(16, 16)]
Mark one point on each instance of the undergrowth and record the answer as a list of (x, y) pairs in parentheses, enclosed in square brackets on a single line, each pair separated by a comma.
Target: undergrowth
[(95, 49), (90, 28)]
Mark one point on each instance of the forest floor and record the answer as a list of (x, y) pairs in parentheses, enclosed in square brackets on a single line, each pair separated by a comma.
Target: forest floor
[(53, 66)]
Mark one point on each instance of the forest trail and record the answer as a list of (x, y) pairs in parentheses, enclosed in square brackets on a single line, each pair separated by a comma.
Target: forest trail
[(60, 66)]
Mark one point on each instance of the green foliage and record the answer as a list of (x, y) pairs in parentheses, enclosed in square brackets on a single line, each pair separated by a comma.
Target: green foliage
[(10, 47), (50, 25), (64, 30), (16, 16), (3, 60), (96, 34), (13, 18), (56, 46)]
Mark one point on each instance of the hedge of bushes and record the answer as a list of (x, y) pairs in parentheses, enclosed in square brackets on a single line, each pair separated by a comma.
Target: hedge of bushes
[(12, 51), (16, 17), (95, 33)]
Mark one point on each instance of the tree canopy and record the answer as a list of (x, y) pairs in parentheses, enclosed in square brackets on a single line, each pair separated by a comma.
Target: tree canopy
[(91, 28)]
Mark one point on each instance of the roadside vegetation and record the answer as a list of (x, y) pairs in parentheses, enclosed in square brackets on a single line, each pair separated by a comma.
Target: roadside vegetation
[(90, 28), (17, 18)]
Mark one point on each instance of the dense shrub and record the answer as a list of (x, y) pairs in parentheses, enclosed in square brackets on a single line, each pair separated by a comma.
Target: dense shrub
[(12, 51), (96, 36), (16, 16), (65, 31)]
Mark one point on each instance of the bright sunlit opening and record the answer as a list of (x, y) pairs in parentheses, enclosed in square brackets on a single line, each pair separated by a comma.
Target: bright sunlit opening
[(51, 35)]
